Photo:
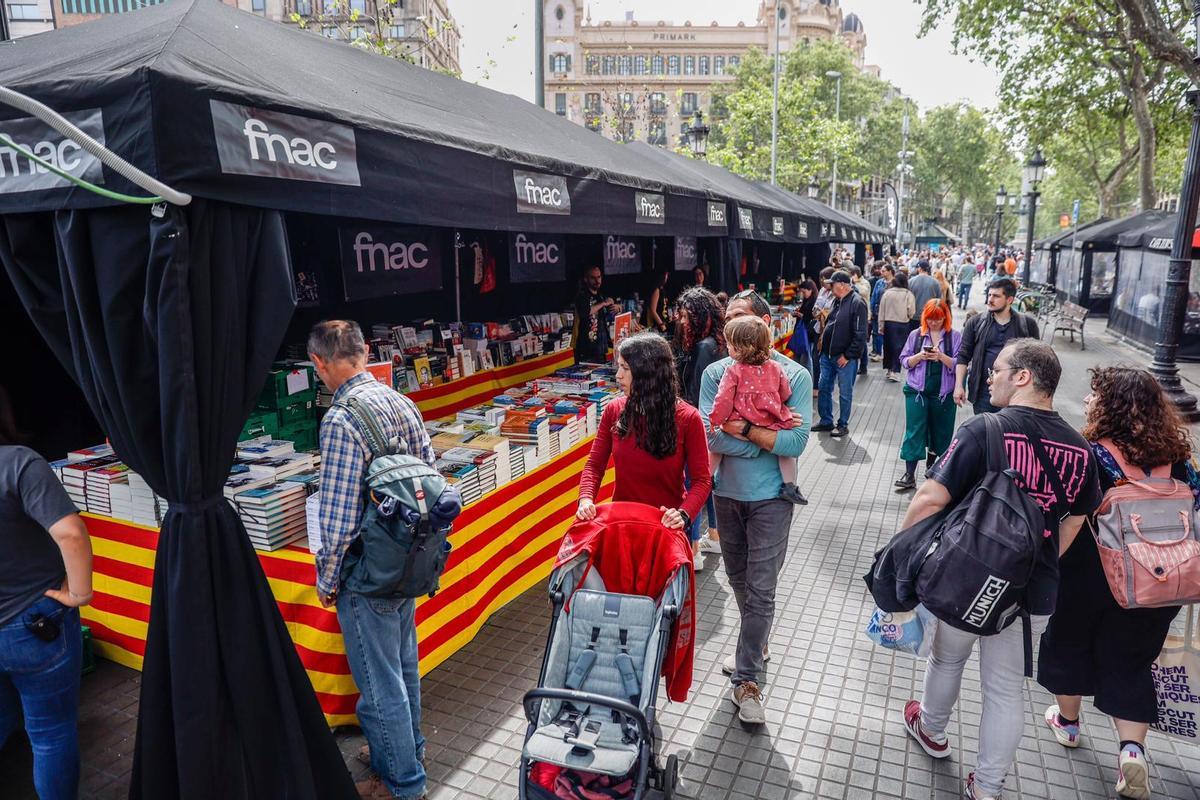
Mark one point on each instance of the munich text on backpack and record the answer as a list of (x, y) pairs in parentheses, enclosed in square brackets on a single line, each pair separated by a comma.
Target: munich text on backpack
[(1147, 538), (984, 555), (402, 546)]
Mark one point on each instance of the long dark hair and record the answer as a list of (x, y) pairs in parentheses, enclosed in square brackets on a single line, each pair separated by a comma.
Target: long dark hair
[(1129, 407), (649, 411), (807, 304), (705, 317)]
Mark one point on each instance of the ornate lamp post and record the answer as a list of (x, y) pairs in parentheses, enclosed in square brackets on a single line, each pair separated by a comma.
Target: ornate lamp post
[(1035, 171), (697, 135), (814, 189), (1001, 200)]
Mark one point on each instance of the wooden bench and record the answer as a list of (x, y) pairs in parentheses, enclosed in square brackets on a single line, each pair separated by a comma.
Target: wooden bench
[(1070, 318)]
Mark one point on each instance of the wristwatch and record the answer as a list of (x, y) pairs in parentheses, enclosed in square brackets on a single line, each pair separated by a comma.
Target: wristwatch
[(746, 428), (687, 521)]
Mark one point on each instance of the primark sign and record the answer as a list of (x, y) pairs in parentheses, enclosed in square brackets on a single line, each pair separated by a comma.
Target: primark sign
[(538, 193), (650, 208), (272, 144), (536, 257), (20, 174), (384, 260)]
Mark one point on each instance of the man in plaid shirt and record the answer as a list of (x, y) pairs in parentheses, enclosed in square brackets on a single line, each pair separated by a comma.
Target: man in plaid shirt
[(380, 633)]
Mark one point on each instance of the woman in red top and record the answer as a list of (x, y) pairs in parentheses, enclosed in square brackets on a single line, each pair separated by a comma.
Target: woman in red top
[(651, 435)]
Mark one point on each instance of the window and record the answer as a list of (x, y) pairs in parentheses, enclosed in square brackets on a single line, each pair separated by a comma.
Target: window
[(625, 65), (357, 32), (610, 65), (688, 105), (258, 6), (625, 131), (304, 8), (672, 65), (718, 65), (592, 65), (397, 30), (639, 65), (656, 65), (658, 103), (591, 102), (734, 61), (657, 132), (560, 103), (592, 123), (703, 65), (23, 11), (558, 13), (358, 5), (560, 62), (689, 65), (626, 101), (331, 32)]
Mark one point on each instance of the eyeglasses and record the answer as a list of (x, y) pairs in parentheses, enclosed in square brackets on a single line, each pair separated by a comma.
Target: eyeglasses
[(992, 372)]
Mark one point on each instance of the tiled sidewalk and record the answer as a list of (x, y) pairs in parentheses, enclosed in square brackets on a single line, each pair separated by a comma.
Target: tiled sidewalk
[(833, 698)]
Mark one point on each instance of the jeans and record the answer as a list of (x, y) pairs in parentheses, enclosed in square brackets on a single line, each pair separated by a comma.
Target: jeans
[(707, 518), (1002, 681), (754, 539), (381, 646), (845, 377), (42, 679), (876, 342), (964, 294)]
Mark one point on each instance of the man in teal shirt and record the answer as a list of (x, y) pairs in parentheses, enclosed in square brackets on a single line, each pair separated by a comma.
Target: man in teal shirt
[(966, 274), (754, 521)]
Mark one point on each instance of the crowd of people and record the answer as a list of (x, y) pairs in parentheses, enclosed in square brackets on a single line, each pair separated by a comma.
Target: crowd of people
[(708, 429)]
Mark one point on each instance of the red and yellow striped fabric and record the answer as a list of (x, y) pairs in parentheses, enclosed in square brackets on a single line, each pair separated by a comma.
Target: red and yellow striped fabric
[(441, 401), (503, 545)]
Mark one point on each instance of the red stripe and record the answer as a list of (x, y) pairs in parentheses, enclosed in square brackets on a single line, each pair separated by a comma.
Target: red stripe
[(283, 569), (119, 532), (103, 633), (337, 704), (511, 490), (493, 375), (142, 576), (332, 663), (321, 619), (121, 606)]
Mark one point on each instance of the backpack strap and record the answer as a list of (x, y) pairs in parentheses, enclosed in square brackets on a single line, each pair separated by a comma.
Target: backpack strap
[(364, 417), (1128, 470), (1051, 471), (994, 443)]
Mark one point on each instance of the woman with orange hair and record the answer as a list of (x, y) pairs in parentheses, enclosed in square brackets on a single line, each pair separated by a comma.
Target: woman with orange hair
[(929, 357)]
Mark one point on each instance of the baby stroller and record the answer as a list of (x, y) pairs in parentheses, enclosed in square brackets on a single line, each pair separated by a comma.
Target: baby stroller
[(623, 603)]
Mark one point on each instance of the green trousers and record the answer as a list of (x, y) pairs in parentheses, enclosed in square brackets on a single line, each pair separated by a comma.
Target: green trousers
[(928, 424)]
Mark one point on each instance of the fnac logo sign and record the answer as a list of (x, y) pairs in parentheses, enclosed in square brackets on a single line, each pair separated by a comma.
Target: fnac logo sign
[(538, 193), (272, 144)]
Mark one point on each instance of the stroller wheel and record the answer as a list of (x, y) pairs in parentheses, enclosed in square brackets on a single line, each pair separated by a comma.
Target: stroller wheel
[(670, 777)]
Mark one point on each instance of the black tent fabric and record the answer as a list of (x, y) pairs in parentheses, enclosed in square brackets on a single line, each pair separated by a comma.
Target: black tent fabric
[(1087, 261), (226, 105), (168, 324)]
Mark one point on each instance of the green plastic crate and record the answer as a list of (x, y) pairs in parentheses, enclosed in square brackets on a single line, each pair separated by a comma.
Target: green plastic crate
[(303, 435), (297, 413), (275, 393), (260, 423)]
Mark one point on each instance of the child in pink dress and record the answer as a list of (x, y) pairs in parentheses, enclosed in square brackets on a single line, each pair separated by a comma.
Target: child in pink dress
[(755, 389)]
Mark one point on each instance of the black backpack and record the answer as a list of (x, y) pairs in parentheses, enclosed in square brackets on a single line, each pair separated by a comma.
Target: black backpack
[(972, 570)]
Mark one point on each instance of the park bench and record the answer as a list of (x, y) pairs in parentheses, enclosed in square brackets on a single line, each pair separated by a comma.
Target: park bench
[(1070, 318)]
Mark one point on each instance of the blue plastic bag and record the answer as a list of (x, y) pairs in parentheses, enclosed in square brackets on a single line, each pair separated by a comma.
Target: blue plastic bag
[(903, 631)]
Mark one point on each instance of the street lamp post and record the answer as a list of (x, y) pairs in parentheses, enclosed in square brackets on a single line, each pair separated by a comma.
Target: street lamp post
[(904, 154), (1001, 200), (1035, 170), (780, 13), (833, 73), (697, 135)]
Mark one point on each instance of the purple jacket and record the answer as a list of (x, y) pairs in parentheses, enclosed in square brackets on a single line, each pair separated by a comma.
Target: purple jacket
[(951, 342)]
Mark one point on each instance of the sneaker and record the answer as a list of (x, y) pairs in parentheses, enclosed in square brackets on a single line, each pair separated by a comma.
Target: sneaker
[(792, 493), (1067, 735), (876, 358), (710, 545), (749, 701), (1133, 780), (822, 427), (729, 665), (969, 792), (698, 562), (936, 746), (839, 432), (906, 482), (891, 376)]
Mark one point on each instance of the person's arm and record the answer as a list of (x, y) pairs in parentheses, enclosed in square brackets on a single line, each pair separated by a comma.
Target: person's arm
[(597, 463), (695, 451), (909, 349), (910, 305), (1033, 326), (718, 440), (71, 535), (655, 320), (412, 431), (931, 498), (858, 342), (1068, 529), (343, 461), (791, 442), (722, 406)]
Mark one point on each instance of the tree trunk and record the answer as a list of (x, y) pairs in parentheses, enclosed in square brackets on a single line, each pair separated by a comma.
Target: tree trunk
[(1147, 134)]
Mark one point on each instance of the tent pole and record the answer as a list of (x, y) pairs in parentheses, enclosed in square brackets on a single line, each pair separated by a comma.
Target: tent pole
[(457, 276)]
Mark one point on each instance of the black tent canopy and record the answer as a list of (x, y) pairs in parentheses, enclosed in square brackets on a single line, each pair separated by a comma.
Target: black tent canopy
[(1087, 262), (1043, 267)]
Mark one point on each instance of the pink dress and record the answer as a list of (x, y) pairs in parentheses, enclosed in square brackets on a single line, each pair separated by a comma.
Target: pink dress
[(757, 393)]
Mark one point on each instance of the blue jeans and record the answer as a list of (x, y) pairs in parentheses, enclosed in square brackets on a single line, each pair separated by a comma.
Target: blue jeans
[(381, 646), (877, 344), (845, 377), (42, 679), (708, 514), (964, 294)]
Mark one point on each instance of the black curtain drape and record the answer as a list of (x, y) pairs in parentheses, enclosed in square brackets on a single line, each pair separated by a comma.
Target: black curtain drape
[(731, 263), (168, 324)]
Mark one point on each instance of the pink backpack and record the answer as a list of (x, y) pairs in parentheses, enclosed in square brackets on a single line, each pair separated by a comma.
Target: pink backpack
[(1146, 533)]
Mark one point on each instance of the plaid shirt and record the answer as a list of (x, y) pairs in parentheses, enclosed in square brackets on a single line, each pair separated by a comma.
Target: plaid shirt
[(344, 459)]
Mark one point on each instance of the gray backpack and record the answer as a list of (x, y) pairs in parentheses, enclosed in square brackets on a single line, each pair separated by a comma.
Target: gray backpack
[(401, 547)]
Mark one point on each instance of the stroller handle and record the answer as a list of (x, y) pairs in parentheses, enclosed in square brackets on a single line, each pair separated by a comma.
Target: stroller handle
[(586, 699)]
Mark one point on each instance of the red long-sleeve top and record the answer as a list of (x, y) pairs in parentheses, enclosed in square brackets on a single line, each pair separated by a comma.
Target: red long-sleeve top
[(642, 478)]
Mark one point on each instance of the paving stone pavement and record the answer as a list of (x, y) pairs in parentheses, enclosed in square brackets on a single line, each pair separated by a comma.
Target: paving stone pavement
[(833, 698)]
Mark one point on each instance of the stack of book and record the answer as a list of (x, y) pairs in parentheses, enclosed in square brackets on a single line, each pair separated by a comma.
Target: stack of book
[(146, 507), (98, 486), (279, 467), (463, 476), (312, 517), (530, 428), (264, 447), (274, 515), (88, 453), (484, 462), (241, 479), (74, 477)]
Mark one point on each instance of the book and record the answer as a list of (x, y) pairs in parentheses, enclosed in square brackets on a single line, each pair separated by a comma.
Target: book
[(264, 447)]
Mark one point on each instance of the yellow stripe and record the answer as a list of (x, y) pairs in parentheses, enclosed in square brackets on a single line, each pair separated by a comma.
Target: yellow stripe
[(107, 584), (134, 628), (539, 367), (118, 654), (125, 553), (338, 720)]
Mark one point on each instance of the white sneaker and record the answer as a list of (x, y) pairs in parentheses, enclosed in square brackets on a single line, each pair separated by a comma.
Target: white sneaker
[(1133, 780), (729, 665), (698, 562), (710, 545)]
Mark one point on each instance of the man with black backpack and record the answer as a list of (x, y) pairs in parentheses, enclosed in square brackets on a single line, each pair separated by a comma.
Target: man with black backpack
[(992, 572), (379, 630)]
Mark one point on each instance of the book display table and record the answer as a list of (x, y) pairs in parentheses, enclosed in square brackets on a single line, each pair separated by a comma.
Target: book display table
[(503, 545), (446, 399)]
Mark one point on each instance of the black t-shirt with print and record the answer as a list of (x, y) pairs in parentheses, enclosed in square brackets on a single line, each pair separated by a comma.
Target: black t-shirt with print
[(965, 464)]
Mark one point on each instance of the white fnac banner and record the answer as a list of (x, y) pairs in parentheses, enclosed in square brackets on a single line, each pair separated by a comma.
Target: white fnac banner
[(272, 144), (380, 260), (536, 257), (622, 255)]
